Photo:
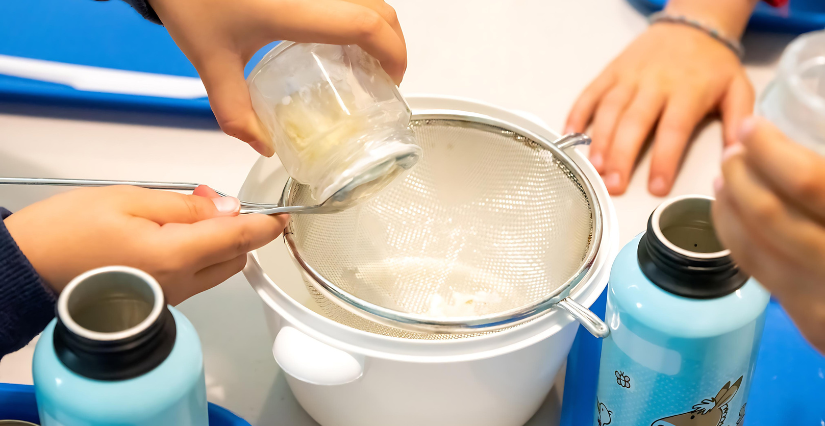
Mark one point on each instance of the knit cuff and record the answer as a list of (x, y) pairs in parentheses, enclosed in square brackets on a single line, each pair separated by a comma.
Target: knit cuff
[(26, 303), (144, 8)]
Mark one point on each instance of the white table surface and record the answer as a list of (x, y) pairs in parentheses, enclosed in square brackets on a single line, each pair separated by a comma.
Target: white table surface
[(531, 55)]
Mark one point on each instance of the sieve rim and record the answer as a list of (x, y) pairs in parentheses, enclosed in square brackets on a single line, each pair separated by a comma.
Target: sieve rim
[(473, 324)]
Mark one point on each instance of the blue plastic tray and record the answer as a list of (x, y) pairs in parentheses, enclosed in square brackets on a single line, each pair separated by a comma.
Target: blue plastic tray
[(788, 386), (106, 34), (799, 16), (17, 402)]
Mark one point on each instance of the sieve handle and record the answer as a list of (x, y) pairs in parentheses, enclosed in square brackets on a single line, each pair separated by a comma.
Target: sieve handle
[(571, 140), (588, 319)]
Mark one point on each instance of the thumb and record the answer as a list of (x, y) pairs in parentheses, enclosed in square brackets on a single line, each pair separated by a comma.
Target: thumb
[(164, 207), (222, 74), (736, 105)]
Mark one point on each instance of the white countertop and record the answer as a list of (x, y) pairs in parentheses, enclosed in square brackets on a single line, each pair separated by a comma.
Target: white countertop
[(531, 55)]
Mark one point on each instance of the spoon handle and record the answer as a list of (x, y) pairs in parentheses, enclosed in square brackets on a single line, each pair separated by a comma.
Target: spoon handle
[(96, 182), (284, 210), (173, 186)]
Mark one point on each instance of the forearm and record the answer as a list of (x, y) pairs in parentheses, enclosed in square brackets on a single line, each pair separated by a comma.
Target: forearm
[(728, 16), (26, 304)]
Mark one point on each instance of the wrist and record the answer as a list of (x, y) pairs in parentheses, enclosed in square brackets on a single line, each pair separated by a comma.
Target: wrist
[(728, 17), (692, 25)]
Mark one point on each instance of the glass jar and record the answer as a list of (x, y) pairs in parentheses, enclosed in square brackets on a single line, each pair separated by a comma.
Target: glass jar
[(795, 100), (334, 116)]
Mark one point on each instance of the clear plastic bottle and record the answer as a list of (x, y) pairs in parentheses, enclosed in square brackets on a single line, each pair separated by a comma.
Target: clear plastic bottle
[(333, 115), (795, 100)]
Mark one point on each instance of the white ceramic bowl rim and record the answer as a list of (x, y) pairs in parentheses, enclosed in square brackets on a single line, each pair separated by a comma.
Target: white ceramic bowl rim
[(455, 350)]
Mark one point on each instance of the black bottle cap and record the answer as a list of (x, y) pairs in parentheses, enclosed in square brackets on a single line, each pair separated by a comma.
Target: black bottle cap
[(681, 254), (113, 324)]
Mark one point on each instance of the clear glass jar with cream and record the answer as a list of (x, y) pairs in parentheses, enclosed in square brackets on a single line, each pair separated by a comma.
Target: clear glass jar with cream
[(334, 116)]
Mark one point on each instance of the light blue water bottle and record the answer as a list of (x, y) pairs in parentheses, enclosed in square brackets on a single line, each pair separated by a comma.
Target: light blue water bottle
[(685, 326), (118, 355)]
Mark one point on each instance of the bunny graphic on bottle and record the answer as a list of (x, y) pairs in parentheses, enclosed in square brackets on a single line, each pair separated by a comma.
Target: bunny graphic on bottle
[(708, 412)]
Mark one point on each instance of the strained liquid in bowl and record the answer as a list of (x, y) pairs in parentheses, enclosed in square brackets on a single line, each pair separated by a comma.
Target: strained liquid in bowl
[(487, 222)]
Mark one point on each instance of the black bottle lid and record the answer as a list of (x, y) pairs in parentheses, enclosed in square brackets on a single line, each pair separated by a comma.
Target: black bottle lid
[(113, 324), (681, 254)]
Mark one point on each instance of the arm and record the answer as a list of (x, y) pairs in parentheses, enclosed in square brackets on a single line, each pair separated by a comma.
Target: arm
[(189, 243), (26, 303), (664, 84), (729, 16)]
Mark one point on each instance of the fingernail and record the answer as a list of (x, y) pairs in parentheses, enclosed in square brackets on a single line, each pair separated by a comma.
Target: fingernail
[(747, 126), (569, 129), (597, 160), (263, 148), (227, 205), (718, 183), (732, 151), (658, 186), (612, 181)]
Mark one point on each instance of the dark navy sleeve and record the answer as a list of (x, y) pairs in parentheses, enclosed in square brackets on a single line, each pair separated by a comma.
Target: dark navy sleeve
[(26, 302), (144, 8)]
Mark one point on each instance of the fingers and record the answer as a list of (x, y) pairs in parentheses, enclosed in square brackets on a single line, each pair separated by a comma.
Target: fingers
[(768, 218), (736, 105), (222, 74), (387, 12), (609, 111), (205, 191), (582, 111), (746, 251), (797, 288), (183, 288), (682, 113), (218, 240), (795, 172), (164, 207), (342, 22), (635, 125)]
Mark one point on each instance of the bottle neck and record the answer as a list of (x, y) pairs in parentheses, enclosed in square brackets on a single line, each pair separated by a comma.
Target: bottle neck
[(680, 254), (113, 324)]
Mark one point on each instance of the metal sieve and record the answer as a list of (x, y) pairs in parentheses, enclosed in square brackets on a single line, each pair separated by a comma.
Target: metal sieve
[(493, 227)]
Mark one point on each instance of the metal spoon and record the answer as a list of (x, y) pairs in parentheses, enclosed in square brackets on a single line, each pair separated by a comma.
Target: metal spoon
[(342, 199)]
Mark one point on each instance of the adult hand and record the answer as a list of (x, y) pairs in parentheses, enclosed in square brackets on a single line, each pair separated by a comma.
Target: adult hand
[(770, 212), (189, 243), (669, 78), (220, 36)]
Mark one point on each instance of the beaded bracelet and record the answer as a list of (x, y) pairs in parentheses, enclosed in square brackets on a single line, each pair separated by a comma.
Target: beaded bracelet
[(731, 44)]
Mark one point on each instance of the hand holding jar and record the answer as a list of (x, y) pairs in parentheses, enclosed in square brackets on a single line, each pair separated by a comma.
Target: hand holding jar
[(770, 212), (220, 36)]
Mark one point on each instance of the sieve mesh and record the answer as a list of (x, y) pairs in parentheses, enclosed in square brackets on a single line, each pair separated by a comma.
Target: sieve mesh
[(487, 222)]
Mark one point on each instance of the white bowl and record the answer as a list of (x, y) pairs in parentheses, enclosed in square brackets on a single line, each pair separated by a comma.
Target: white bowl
[(347, 377)]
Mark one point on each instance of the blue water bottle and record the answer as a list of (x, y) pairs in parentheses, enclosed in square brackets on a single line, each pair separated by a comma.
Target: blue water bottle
[(118, 355), (685, 325)]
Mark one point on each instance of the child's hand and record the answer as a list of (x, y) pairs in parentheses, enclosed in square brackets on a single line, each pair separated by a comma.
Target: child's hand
[(770, 212), (220, 36), (672, 75), (189, 243)]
